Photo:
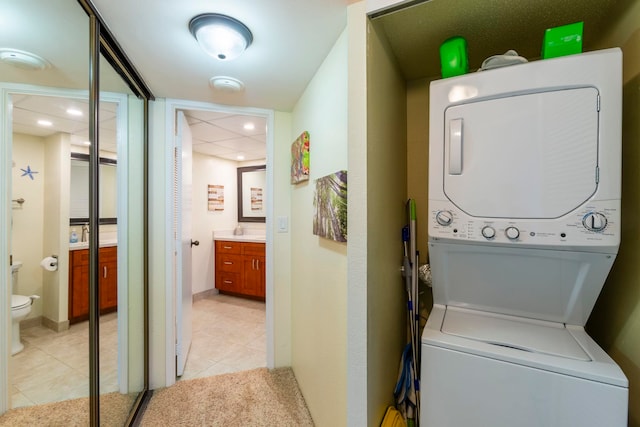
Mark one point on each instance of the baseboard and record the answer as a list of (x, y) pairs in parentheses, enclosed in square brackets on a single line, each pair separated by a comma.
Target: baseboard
[(55, 326), (205, 294)]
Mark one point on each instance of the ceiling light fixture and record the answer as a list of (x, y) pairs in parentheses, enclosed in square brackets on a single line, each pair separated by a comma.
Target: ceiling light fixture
[(43, 122), (248, 126), (221, 36)]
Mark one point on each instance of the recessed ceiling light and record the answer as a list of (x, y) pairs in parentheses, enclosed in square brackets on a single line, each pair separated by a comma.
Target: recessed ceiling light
[(44, 122), (240, 157), (249, 126), (74, 112), (87, 143)]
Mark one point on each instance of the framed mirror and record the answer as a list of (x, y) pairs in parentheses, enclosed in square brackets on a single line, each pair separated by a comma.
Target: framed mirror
[(252, 193), (79, 195)]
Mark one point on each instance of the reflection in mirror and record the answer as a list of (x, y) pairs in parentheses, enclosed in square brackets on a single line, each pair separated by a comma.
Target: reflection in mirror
[(53, 354), (54, 363), (79, 194), (252, 193), (122, 332)]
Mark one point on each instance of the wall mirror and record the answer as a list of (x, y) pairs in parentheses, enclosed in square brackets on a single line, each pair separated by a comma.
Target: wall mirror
[(79, 195), (60, 33), (252, 193)]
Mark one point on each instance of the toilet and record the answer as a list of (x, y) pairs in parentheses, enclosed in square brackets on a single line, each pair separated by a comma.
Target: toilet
[(20, 308)]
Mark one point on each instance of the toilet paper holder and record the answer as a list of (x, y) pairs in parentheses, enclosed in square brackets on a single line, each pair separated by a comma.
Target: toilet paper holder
[(50, 263)]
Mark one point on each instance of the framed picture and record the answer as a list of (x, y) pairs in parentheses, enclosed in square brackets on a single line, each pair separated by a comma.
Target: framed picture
[(330, 207), (215, 197), (300, 159)]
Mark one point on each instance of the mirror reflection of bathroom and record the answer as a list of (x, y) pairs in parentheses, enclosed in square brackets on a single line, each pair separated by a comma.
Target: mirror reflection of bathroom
[(49, 252), (228, 311)]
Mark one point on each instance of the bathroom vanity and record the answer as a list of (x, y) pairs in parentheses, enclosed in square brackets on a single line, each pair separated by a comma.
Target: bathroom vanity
[(79, 282), (240, 267)]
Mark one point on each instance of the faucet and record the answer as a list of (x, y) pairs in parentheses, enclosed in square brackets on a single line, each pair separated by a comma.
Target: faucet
[(85, 233)]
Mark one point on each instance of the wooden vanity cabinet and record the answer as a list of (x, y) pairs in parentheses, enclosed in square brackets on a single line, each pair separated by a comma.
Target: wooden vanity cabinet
[(79, 282), (240, 268)]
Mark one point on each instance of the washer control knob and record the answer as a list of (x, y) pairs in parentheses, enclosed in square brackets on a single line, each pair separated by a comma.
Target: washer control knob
[(488, 232), (512, 233), (594, 221), (444, 218)]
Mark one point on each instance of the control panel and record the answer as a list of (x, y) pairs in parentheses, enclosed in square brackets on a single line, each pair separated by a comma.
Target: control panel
[(596, 223)]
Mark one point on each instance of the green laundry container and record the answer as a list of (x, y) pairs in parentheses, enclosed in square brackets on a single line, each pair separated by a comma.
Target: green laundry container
[(561, 41), (453, 57)]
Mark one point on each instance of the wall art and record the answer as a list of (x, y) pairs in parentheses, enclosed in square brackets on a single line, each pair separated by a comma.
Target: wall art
[(300, 159), (330, 207)]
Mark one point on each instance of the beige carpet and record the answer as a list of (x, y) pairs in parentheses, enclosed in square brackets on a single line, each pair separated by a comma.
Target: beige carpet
[(252, 398), (114, 410)]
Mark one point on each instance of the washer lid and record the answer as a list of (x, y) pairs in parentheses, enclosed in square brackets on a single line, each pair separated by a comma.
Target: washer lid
[(523, 334), (19, 301)]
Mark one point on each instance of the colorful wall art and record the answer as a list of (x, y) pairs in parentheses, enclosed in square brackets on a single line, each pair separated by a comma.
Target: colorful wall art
[(215, 197), (330, 207), (300, 159)]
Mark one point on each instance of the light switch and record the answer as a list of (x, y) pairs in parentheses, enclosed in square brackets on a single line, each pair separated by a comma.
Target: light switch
[(283, 224)]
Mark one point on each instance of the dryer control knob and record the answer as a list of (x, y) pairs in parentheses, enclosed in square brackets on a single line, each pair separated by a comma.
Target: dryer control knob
[(444, 218), (594, 221), (512, 233), (488, 232)]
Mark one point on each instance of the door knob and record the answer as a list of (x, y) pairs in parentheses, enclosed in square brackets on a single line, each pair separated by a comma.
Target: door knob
[(195, 243)]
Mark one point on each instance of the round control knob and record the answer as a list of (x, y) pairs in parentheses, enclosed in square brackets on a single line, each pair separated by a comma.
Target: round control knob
[(444, 218), (488, 232), (512, 233), (594, 221)]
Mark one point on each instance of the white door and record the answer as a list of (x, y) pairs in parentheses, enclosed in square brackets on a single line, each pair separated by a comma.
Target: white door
[(183, 201)]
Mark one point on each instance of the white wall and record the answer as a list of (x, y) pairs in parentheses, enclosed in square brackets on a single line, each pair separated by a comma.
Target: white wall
[(210, 170), (318, 265), (27, 220)]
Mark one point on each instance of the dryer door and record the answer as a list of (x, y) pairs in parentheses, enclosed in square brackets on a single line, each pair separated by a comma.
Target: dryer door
[(527, 156)]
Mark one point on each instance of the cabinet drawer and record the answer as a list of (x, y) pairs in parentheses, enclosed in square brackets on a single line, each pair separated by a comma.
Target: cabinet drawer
[(228, 247), (228, 281), (251, 248), (229, 263)]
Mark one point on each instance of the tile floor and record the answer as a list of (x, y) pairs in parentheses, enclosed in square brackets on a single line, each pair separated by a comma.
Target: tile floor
[(228, 336)]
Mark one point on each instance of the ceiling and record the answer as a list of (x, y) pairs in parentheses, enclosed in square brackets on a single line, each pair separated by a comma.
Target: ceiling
[(291, 39)]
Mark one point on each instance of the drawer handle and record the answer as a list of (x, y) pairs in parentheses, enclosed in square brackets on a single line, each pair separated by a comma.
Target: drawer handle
[(105, 271), (228, 281), (228, 247), (228, 262)]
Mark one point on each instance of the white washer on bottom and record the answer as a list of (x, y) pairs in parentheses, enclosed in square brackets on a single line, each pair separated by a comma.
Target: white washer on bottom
[(485, 369)]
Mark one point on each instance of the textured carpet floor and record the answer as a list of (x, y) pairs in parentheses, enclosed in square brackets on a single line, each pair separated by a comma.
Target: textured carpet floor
[(251, 398), (114, 410)]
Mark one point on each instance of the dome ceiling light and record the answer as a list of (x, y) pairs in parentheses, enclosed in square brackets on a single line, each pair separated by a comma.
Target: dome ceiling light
[(221, 36)]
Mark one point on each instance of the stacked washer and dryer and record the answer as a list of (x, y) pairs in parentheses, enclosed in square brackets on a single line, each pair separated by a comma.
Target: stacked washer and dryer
[(524, 227)]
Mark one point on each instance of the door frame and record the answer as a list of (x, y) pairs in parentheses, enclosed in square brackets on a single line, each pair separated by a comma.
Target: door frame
[(6, 150), (171, 108)]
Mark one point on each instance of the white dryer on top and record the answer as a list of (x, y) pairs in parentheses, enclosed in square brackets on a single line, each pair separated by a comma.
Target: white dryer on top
[(524, 205)]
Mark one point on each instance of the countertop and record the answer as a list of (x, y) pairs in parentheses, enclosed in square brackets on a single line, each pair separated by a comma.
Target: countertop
[(85, 245), (255, 238)]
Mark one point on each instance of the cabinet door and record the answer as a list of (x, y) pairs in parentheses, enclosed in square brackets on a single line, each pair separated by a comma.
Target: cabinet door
[(254, 278), (79, 284), (108, 278)]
